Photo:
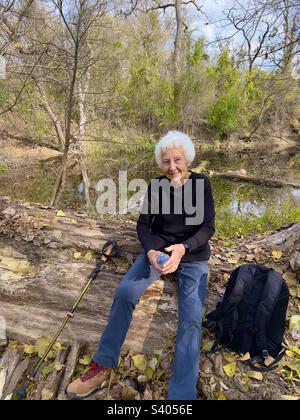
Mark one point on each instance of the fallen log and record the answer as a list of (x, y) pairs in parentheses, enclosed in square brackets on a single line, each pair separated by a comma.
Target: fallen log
[(40, 278), (69, 369), (240, 176), (288, 240), (8, 363), (16, 377)]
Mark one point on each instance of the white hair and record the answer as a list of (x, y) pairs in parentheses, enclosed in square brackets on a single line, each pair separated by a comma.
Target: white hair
[(172, 140)]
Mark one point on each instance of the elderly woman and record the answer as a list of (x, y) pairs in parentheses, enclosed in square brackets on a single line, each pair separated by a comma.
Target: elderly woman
[(164, 230)]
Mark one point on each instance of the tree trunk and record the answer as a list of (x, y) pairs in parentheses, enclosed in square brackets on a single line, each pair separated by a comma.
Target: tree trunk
[(60, 179), (83, 87), (178, 38)]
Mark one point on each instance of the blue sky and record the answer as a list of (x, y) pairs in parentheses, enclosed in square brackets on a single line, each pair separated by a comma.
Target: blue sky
[(214, 10)]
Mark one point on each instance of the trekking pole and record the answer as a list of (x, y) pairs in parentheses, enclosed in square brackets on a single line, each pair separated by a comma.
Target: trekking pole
[(109, 250)]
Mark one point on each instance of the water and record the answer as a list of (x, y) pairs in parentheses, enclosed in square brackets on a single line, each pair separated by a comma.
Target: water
[(231, 197), (240, 198)]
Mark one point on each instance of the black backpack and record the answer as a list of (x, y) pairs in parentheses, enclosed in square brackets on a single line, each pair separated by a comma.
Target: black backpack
[(251, 317)]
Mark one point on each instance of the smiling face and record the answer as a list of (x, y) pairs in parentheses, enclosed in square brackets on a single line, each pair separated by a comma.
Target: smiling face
[(174, 164)]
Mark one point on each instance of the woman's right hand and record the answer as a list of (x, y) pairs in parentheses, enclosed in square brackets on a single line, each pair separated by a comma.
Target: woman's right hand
[(152, 256)]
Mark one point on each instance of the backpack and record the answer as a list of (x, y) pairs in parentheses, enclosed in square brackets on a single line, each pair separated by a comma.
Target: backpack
[(251, 316)]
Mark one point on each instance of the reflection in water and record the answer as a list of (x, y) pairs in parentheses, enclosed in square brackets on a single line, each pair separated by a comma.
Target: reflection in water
[(247, 207), (296, 194), (252, 200)]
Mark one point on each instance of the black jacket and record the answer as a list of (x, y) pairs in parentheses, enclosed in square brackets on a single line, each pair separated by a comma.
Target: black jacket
[(157, 231)]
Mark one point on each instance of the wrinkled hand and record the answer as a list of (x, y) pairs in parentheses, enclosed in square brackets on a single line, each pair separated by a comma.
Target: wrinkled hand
[(152, 256), (177, 252)]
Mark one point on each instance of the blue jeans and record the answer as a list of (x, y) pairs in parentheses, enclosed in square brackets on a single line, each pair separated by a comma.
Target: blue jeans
[(192, 281)]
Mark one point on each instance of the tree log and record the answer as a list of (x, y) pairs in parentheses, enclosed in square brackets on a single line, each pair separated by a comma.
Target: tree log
[(69, 370), (41, 280), (9, 362), (237, 175), (287, 239)]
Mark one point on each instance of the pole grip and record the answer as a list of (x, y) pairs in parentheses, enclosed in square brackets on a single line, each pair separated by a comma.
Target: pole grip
[(107, 251)]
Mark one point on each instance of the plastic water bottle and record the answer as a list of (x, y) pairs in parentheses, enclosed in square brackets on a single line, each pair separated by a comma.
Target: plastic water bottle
[(162, 259)]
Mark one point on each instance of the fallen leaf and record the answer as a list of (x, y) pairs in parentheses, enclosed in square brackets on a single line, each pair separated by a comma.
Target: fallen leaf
[(86, 359), (290, 397), (229, 357), (207, 344), (230, 369), (45, 371), (277, 254), (293, 291), (232, 261), (74, 222), (294, 365), (77, 255), (245, 357), (58, 366), (148, 373), (152, 363), (60, 213), (139, 362), (41, 346), (88, 256), (29, 349), (294, 350), (226, 243), (58, 346), (47, 394), (221, 396), (254, 375), (290, 278)]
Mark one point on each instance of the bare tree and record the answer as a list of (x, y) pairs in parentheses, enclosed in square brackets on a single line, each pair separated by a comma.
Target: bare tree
[(179, 7), (270, 31), (60, 32)]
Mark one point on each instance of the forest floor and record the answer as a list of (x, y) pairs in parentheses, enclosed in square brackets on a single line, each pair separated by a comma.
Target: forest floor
[(46, 254)]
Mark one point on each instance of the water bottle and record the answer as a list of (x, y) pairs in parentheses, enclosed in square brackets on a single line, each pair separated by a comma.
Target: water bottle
[(162, 259)]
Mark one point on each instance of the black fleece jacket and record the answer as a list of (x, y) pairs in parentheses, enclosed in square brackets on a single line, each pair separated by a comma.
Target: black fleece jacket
[(157, 231)]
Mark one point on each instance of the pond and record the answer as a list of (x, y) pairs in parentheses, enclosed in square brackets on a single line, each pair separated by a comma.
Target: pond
[(237, 203)]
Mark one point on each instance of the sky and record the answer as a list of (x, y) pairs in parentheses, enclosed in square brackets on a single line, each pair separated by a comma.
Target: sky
[(214, 10)]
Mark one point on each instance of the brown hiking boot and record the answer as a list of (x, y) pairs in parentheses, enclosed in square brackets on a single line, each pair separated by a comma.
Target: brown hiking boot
[(89, 382)]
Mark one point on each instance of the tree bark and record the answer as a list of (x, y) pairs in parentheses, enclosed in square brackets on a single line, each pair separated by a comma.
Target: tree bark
[(289, 241), (178, 38), (43, 279)]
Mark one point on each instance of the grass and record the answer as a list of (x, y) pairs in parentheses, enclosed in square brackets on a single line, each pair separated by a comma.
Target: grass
[(230, 226), (3, 167)]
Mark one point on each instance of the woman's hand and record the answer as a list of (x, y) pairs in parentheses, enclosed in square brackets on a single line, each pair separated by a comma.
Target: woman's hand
[(173, 262), (152, 256)]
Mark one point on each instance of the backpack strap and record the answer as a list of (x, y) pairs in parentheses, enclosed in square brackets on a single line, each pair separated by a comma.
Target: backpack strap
[(265, 308), (258, 362)]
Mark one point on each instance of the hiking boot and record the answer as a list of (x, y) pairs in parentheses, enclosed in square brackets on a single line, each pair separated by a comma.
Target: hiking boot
[(89, 382)]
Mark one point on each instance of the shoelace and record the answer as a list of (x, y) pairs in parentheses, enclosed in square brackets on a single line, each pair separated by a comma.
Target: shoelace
[(93, 371)]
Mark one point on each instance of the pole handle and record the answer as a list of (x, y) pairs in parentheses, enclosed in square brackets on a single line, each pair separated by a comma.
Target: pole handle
[(109, 249)]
